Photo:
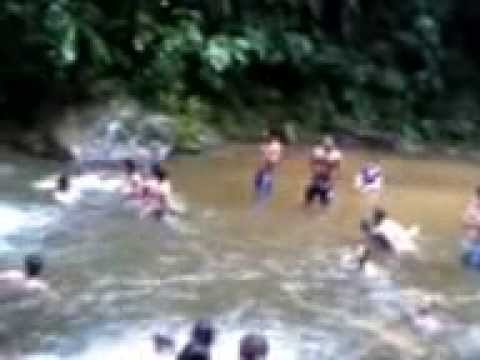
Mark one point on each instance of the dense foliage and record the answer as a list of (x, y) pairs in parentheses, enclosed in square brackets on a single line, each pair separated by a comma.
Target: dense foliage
[(408, 67)]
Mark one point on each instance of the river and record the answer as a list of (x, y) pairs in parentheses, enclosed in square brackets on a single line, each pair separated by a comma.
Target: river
[(275, 270)]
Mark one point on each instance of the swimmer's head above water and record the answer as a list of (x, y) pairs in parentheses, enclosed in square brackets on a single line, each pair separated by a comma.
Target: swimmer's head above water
[(253, 347), (203, 333), (33, 266), (63, 183)]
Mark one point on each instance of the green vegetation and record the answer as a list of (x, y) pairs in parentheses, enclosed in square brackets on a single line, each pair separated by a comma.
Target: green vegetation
[(405, 67)]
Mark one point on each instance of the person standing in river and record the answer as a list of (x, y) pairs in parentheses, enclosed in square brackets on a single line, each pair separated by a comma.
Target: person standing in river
[(325, 162), (271, 155)]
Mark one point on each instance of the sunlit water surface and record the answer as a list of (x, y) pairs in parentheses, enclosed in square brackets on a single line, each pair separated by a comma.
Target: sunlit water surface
[(273, 270)]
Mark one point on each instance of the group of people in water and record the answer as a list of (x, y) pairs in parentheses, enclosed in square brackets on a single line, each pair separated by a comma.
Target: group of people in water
[(325, 165), (253, 346), (150, 188)]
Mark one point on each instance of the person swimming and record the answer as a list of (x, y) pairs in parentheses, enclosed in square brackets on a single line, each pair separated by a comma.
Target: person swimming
[(325, 162), (271, 156), (201, 340), (16, 283), (385, 230), (253, 347), (64, 193), (156, 193)]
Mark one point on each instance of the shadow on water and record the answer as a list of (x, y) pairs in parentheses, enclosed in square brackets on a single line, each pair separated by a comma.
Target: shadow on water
[(275, 270)]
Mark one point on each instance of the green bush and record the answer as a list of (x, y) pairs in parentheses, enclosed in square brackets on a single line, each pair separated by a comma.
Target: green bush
[(396, 66)]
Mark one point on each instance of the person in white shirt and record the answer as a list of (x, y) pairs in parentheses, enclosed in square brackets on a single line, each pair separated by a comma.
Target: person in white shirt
[(400, 239), (15, 283), (325, 162)]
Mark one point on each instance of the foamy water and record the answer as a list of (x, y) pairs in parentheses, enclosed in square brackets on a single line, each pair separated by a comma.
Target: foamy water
[(31, 219), (277, 271)]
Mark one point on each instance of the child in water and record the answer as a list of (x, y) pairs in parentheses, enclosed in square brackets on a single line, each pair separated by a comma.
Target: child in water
[(271, 155)]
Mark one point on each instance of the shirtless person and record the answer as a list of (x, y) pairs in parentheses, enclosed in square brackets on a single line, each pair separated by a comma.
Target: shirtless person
[(157, 193), (325, 166), (271, 156)]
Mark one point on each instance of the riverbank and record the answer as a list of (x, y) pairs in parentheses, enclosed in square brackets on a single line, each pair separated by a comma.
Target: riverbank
[(193, 127)]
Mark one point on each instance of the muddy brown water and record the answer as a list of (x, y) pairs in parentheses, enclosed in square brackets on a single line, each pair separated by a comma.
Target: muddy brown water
[(274, 270)]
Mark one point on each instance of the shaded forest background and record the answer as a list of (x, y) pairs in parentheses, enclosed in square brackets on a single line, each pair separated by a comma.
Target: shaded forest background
[(409, 67)]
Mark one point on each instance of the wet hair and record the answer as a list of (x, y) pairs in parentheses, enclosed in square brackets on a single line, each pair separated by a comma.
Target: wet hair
[(203, 333), (33, 265), (253, 347), (159, 172), (129, 166), (162, 342), (194, 352), (63, 183), (379, 214)]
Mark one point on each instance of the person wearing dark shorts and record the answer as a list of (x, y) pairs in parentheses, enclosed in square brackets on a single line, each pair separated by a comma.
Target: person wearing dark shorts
[(324, 165), (321, 188)]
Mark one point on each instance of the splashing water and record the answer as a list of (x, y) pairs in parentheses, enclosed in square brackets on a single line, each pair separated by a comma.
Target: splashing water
[(113, 140), (277, 272)]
